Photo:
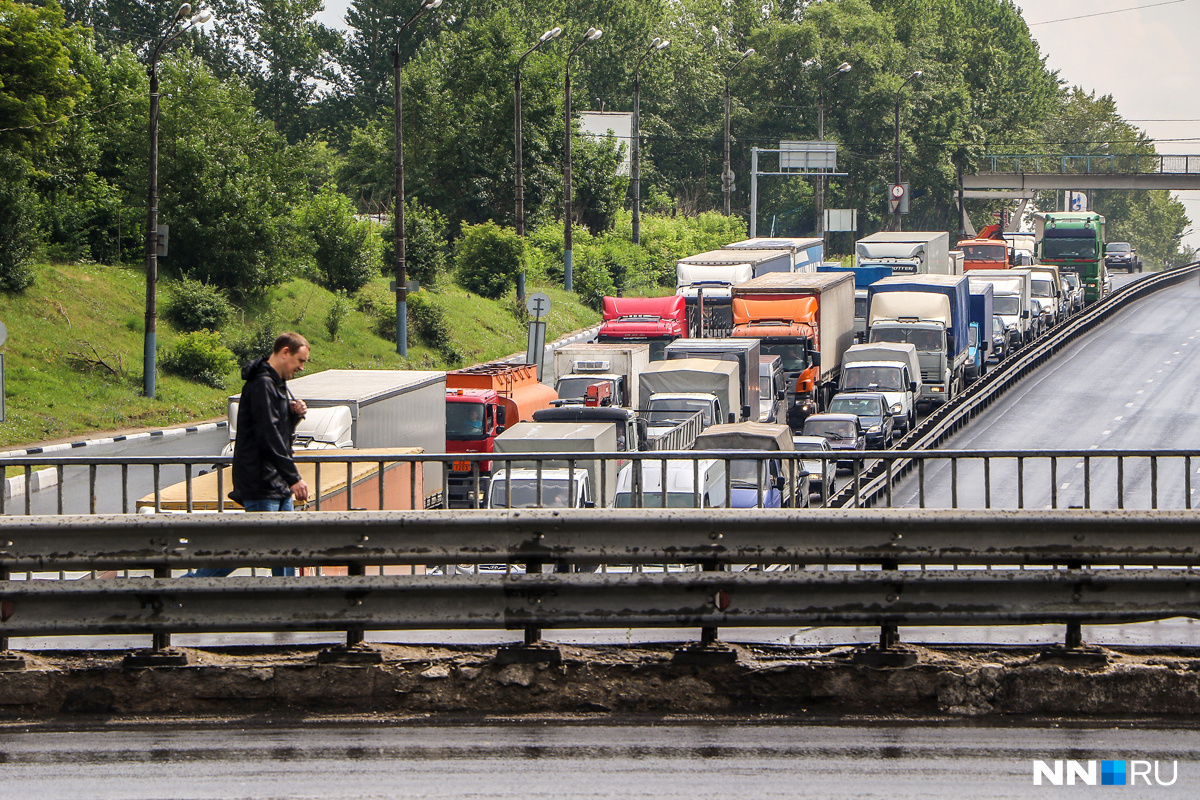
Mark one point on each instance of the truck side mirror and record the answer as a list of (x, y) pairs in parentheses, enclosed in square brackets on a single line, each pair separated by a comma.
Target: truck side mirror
[(814, 357), (1025, 314), (746, 412), (732, 418), (912, 386), (500, 416)]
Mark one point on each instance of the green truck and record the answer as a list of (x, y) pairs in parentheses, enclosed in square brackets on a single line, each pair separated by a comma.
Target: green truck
[(1074, 242)]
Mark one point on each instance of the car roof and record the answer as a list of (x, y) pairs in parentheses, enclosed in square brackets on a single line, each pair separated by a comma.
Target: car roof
[(832, 418), (860, 396)]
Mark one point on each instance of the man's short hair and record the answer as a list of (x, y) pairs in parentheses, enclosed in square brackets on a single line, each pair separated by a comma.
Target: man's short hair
[(291, 341)]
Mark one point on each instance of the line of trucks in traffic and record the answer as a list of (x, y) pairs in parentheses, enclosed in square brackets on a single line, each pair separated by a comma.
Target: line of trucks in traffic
[(760, 333)]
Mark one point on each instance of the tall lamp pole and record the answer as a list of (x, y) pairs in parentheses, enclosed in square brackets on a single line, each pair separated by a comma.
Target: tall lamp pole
[(725, 173), (656, 45), (398, 214), (568, 257), (553, 33), (149, 352), (915, 75), (842, 69)]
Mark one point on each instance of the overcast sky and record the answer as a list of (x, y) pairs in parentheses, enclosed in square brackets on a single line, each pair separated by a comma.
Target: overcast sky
[(1146, 58)]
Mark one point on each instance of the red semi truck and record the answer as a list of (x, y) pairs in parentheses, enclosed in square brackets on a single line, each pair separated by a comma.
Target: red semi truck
[(656, 321), (482, 401)]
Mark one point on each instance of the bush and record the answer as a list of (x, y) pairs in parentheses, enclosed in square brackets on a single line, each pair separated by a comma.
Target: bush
[(200, 357), (427, 322), (385, 323), (338, 310), (488, 259), (258, 343), (347, 250), (18, 231), (592, 280), (195, 306), (425, 245)]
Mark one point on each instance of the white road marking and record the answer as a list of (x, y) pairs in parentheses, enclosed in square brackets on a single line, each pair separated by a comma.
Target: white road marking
[(1106, 433), (1080, 464), (1140, 391), (1094, 447), (1064, 486), (1118, 418), (1129, 405)]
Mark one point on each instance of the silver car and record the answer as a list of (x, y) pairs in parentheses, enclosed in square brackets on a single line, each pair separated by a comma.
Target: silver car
[(821, 471)]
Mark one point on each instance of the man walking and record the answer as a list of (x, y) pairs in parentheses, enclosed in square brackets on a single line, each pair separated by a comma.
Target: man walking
[(265, 477)]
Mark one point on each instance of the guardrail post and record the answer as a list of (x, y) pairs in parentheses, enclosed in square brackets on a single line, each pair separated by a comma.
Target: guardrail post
[(9, 661), (355, 651), (161, 653)]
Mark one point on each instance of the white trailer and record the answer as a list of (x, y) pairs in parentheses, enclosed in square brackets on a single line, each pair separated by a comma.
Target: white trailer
[(388, 408), (619, 364), (907, 252)]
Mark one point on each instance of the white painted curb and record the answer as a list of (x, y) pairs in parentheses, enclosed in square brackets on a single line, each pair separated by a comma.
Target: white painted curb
[(45, 478)]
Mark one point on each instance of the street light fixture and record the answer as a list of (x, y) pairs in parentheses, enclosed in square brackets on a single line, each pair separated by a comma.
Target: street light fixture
[(914, 76), (726, 176), (149, 352), (657, 45), (842, 69), (568, 283), (398, 215), (553, 33)]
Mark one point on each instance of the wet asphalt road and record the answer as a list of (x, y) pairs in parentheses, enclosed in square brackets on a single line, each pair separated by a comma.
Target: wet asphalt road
[(562, 760)]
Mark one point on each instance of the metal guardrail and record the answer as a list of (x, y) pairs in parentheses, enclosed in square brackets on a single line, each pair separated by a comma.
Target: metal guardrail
[(873, 480), (1123, 164), (911, 568)]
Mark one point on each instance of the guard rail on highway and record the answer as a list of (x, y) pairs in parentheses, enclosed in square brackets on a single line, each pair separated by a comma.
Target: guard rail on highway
[(863, 567)]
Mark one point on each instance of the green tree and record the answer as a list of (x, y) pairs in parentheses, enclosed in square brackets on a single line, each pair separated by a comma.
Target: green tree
[(17, 224), (346, 250), (488, 258)]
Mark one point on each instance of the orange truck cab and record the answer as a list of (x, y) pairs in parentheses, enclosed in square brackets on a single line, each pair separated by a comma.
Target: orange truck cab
[(481, 402), (984, 254)]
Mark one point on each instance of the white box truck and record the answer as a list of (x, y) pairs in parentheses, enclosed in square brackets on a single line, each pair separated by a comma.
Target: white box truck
[(892, 368), (558, 490), (907, 252), (1012, 296), (577, 366)]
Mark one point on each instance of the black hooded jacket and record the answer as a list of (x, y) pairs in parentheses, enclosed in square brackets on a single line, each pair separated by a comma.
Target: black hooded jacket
[(263, 467)]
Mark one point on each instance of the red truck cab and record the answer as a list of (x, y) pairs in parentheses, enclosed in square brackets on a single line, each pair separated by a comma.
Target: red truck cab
[(657, 321)]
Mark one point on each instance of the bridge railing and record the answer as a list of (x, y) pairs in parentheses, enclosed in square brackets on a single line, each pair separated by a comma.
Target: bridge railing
[(599, 569), (1109, 164)]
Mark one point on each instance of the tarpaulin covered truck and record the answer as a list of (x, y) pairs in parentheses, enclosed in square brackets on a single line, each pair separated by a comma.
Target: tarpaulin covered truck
[(808, 320), (932, 312)]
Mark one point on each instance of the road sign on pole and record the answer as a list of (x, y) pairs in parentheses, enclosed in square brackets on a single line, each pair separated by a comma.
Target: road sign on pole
[(898, 198)]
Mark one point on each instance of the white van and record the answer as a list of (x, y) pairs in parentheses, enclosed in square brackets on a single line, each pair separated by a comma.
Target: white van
[(681, 487)]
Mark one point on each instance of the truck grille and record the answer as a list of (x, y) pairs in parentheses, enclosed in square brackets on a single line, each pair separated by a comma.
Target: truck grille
[(931, 376)]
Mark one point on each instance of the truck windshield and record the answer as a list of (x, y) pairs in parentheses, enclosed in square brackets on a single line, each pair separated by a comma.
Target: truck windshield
[(1007, 305), (880, 379), (652, 499), (1041, 288), (672, 411), (555, 493), (744, 472), (793, 354), (985, 252), (573, 388), (924, 340), (1069, 248), (860, 307), (464, 420)]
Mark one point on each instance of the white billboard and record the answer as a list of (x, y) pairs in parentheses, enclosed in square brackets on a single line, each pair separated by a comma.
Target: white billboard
[(600, 123)]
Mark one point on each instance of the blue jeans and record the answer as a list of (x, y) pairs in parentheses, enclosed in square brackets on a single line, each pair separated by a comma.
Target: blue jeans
[(259, 504)]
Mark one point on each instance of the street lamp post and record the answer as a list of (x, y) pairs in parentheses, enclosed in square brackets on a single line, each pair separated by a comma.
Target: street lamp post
[(657, 45), (398, 214), (915, 75), (568, 278), (149, 352), (545, 37), (842, 68), (725, 174)]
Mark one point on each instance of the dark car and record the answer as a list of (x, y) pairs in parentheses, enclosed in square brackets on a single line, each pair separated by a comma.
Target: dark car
[(1122, 255), (999, 339), (843, 431), (871, 408)]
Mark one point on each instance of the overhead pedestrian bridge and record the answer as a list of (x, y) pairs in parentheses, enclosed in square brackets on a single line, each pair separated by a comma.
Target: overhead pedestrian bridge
[(1017, 175)]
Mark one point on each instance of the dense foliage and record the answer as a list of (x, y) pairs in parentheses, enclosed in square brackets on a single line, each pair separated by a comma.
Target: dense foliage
[(264, 112)]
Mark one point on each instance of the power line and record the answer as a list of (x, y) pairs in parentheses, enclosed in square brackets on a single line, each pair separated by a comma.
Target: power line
[(1106, 13)]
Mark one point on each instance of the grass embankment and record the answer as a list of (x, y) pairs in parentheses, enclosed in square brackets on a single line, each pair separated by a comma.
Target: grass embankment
[(73, 359)]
